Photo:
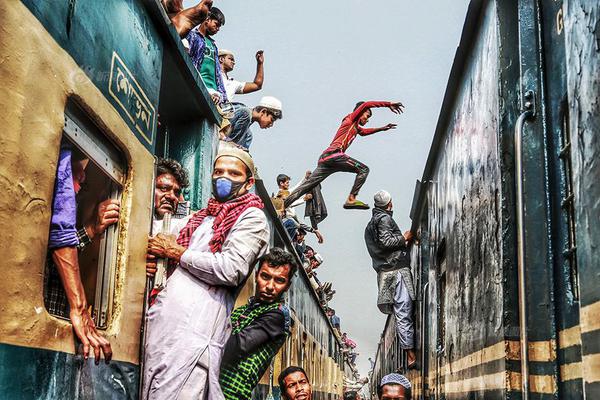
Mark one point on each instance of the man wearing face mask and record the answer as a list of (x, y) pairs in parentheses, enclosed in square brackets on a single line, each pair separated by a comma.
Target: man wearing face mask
[(212, 256)]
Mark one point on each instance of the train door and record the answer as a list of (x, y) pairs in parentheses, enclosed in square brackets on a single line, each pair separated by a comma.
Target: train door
[(561, 197)]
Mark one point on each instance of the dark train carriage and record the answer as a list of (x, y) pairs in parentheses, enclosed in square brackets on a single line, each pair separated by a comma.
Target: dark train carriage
[(507, 212)]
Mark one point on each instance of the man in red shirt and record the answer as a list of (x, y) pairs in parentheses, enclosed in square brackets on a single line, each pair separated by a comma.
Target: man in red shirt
[(334, 158)]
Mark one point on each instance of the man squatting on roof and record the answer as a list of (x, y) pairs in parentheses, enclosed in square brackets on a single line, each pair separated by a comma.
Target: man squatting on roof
[(213, 255), (259, 328), (334, 158)]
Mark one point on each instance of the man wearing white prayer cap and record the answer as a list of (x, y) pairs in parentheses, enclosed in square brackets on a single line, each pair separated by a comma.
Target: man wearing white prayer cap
[(394, 387), (389, 249), (232, 86)]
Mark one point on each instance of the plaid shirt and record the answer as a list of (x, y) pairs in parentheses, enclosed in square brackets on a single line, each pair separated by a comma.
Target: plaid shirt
[(55, 297), (239, 378)]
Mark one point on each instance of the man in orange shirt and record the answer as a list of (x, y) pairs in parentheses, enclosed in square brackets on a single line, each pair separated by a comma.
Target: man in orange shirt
[(334, 158)]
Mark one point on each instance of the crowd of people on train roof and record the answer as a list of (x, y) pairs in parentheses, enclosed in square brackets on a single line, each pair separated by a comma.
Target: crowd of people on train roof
[(222, 352)]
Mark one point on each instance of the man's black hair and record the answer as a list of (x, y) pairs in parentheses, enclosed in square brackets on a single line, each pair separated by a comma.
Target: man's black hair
[(170, 166), (309, 248), (217, 14), (282, 178), (351, 395), (278, 257), (360, 103), (301, 231), (277, 114), (285, 373), (407, 392)]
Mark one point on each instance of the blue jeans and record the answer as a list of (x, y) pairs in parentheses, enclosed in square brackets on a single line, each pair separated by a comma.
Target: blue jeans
[(240, 125)]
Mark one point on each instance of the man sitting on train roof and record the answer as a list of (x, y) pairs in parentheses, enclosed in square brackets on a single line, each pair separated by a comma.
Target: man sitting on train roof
[(288, 215), (294, 384), (171, 178), (204, 53), (389, 250), (268, 110), (259, 328), (213, 254), (65, 295), (233, 87), (394, 387)]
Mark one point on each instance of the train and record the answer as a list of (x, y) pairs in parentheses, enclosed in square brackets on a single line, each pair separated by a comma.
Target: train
[(507, 214), (113, 79)]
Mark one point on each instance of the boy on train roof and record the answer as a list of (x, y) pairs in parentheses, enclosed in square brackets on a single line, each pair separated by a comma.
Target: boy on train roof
[(259, 328), (334, 158)]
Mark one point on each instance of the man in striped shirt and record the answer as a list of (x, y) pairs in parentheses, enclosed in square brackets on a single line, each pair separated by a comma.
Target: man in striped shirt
[(334, 158)]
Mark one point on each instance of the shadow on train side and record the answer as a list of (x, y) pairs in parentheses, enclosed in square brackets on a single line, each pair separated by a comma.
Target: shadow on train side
[(506, 213), (106, 99)]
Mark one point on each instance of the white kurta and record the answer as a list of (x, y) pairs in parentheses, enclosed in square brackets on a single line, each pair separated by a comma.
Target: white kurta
[(188, 324)]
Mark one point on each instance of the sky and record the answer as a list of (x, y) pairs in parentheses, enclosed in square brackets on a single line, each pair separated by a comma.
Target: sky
[(319, 62)]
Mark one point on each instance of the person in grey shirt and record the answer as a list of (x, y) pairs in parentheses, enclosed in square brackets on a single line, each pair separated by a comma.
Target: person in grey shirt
[(389, 250)]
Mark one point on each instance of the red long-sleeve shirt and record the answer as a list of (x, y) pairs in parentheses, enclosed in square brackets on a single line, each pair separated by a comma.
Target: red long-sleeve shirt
[(350, 128)]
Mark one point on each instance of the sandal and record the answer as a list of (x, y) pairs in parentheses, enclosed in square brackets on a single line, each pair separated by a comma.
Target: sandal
[(356, 205)]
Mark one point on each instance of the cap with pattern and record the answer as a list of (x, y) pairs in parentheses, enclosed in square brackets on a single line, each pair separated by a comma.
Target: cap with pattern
[(397, 379), (232, 150), (382, 198)]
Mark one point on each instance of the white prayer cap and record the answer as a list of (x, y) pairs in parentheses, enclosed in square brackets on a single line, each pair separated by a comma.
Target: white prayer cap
[(395, 379), (382, 198), (225, 52)]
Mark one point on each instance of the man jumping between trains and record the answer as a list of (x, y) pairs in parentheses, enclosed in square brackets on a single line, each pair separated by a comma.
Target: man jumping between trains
[(334, 158)]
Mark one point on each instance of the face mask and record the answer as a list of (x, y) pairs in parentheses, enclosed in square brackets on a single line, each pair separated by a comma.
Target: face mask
[(224, 189)]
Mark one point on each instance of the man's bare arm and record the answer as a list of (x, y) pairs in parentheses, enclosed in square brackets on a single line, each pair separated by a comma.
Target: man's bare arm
[(67, 264), (184, 21), (250, 87)]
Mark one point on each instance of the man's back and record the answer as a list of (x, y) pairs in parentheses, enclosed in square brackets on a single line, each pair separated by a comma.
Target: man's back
[(383, 238)]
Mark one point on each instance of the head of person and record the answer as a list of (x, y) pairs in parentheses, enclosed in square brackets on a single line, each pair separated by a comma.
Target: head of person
[(315, 261), (79, 163), (233, 173), (330, 312), (214, 21), (268, 110), (283, 182), (274, 275), (227, 60), (394, 387), (351, 395), (294, 384), (383, 200), (300, 235), (171, 178), (309, 252), (364, 117)]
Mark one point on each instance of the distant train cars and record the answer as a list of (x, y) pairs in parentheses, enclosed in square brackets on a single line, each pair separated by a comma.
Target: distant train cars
[(507, 213)]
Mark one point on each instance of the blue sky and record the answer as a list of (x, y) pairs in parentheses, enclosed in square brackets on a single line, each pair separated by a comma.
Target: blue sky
[(321, 60)]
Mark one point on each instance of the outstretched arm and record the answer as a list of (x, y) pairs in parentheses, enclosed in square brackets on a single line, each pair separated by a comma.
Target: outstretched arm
[(397, 108), (250, 87), (370, 131), (184, 21)]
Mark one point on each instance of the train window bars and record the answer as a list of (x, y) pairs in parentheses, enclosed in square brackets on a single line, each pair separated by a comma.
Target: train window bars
[(105, 178)]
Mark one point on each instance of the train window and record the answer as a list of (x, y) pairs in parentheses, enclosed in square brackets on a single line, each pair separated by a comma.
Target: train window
[(103, 169)]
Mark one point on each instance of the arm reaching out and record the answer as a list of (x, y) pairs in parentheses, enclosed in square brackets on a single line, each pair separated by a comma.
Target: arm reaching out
[(370, 131), (67, 264), (184, 21), (250, 87)]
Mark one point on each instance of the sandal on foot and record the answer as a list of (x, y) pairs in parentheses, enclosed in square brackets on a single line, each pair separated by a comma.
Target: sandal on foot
[(356, 205)]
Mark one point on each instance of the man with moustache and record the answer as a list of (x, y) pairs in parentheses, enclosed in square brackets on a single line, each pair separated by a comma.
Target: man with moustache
[(294, 384), (171, 179), (259, 328), (212, 256)]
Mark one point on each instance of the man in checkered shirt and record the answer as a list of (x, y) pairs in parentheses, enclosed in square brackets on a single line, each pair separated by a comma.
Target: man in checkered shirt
[(259, 328)]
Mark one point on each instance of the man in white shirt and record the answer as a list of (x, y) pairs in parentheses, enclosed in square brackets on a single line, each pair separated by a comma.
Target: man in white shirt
[(233, 87), (215, 251)]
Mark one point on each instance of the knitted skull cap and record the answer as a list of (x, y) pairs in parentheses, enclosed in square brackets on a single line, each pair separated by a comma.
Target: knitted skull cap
[(397, 379)]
